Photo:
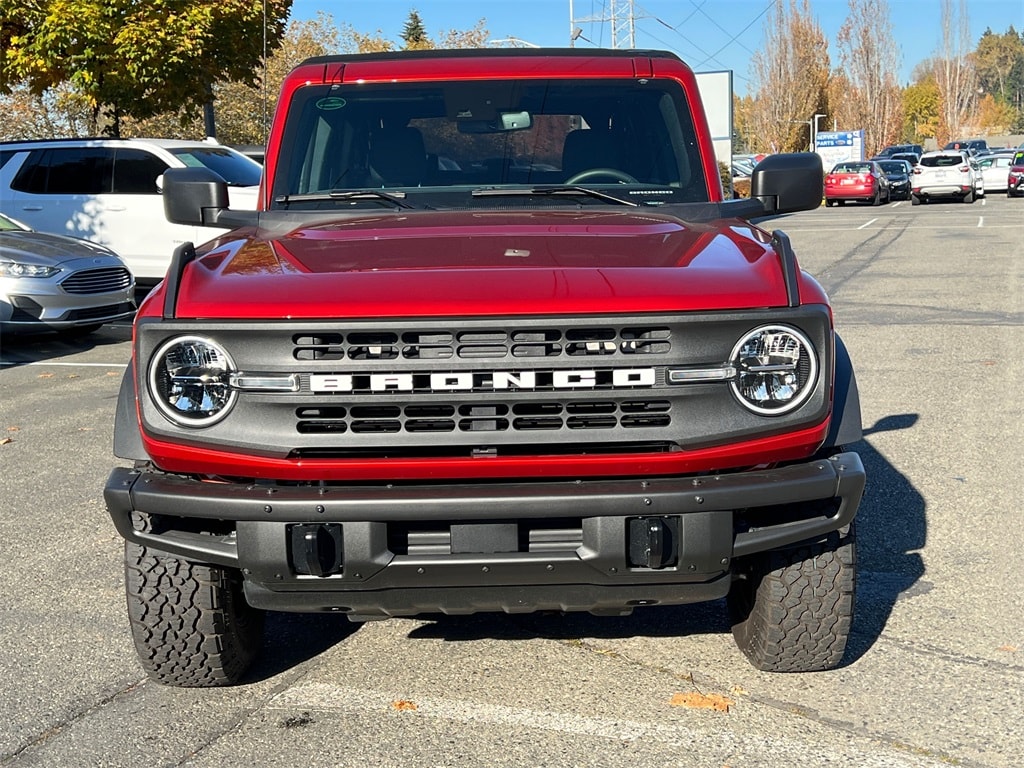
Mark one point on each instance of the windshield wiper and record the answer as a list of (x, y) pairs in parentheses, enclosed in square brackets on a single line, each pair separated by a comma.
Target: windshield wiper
[(396, 197), (552, 191)]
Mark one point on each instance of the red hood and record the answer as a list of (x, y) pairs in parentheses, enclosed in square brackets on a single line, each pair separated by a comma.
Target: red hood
[(484, 263)]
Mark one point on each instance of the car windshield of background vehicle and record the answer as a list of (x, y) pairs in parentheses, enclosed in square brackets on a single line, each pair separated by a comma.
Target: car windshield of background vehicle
[(234, 167), (633, 138)]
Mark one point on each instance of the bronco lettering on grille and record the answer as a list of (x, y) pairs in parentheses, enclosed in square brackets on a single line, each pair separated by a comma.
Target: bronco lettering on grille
[(476, 381)]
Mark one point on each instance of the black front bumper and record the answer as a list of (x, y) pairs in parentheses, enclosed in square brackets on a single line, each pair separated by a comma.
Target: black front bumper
[(486, 547)]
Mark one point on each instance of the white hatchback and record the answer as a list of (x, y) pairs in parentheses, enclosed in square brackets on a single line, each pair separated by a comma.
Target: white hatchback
[(108, 191)]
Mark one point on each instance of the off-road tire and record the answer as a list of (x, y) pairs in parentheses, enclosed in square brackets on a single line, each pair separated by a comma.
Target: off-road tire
[(191, 624), (792, 609)]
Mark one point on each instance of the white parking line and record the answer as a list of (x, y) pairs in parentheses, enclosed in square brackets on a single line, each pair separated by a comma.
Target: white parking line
[(868, 224), (65, 365), (981, 221)]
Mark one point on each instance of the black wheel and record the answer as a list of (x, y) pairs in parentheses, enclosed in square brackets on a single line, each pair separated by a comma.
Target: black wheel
[(915, 200), (191, 624), (969, 197), (792, 609)]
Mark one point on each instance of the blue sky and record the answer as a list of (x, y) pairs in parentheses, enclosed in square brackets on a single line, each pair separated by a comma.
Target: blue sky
[(710, 35)]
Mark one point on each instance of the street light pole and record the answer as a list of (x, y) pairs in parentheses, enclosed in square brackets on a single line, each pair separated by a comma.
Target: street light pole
[(814, 131)]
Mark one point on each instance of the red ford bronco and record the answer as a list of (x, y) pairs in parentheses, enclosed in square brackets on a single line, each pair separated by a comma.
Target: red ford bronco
[(492, 341)]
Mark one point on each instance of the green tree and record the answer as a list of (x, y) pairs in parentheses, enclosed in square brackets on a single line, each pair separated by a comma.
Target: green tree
[(921, 110), (414, 33), (135, 58), (996, 59), (244, 109)]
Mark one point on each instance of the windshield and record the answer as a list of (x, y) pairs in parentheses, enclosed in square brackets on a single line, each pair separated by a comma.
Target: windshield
[(439, 142), (942, 161), (234, 167), (7, 224), (891, 166), (852, 168)]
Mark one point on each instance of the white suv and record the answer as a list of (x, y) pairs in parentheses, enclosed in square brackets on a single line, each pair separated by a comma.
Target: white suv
[(944, 174), (108, 191)]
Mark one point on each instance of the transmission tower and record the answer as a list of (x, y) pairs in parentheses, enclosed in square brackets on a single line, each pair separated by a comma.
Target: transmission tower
[(620, 14)]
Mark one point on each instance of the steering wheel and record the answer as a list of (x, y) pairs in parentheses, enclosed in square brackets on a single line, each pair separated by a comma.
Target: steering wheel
[(596, 173)]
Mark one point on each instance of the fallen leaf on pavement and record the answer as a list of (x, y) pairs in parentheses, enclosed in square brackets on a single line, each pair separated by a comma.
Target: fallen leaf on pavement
[(404, 705), (701, 701), (6, 440)]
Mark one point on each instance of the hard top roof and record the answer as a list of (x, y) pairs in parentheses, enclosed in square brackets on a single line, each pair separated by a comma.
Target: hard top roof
[(496, 53)]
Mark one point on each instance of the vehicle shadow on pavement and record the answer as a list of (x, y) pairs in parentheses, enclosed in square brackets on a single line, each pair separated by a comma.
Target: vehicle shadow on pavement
[(36, 348), (293, 638), (891, 530)]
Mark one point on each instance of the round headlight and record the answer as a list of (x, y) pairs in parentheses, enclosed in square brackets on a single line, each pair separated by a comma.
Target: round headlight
[(189, 381), (776, 369)]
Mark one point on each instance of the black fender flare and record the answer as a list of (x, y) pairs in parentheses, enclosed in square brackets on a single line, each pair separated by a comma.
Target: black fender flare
[(846, 426), (127, 437)]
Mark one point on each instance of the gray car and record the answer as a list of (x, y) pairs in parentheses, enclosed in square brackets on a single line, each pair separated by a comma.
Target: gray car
[(57, 283)]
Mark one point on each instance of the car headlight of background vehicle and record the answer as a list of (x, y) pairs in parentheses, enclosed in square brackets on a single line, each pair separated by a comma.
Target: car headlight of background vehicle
[(17, 269), (189, 378), (776, 369)]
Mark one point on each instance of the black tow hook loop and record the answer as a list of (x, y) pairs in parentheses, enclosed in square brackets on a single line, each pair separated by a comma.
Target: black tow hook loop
[(653, 542), (316, 549)]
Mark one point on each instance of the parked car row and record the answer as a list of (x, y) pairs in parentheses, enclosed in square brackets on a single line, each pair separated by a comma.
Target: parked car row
[(108, 191), (942, 174)]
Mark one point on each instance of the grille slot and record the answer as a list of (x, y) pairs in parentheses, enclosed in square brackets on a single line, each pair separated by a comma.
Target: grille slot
[(533, 536), (550, 343), (482, 417), (101, 280)]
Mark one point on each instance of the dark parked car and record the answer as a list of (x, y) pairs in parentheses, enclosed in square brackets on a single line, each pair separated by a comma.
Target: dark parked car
[(973, 146), (895, 149), (911, 157), (57, 283), (898, 173)]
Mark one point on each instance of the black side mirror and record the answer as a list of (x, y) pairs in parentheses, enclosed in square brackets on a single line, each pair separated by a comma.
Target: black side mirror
[(790, 182)]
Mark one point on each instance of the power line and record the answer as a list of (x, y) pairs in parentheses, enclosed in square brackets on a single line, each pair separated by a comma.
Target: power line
[(770, 5)]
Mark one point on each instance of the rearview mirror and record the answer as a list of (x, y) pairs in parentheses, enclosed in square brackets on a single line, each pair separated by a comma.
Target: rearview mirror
[(506, 121)]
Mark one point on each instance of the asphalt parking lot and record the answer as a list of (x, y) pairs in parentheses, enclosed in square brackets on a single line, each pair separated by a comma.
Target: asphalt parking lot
[(929, 301)]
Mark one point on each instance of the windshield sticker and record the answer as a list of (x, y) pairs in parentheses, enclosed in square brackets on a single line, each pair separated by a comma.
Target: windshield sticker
[(330, 103)]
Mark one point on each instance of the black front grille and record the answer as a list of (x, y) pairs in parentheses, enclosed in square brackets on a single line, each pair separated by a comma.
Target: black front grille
[(100, 313), (483, 417), (101, 280), (488, 344)]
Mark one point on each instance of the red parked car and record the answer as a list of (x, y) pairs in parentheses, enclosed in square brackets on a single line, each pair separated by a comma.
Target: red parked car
[(862, 180), (1015, 182)]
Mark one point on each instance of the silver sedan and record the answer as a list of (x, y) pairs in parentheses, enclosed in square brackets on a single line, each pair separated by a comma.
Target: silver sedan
[(57, 283)]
